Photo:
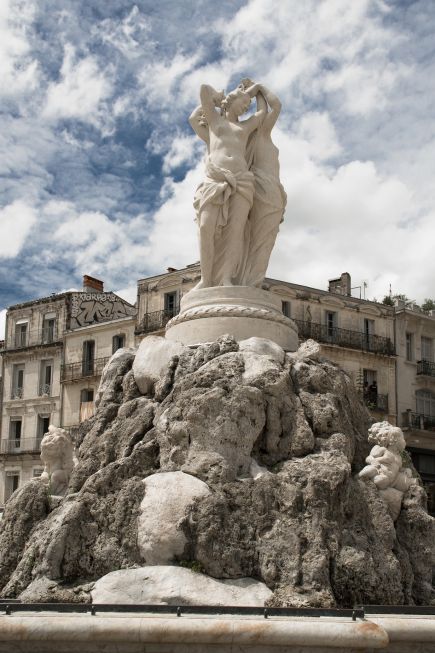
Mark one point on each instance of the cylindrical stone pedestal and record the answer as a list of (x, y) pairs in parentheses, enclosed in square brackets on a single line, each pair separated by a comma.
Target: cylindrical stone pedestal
[(241, 311)]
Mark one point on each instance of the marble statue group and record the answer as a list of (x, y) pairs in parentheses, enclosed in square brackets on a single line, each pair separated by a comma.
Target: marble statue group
[(240, 203)]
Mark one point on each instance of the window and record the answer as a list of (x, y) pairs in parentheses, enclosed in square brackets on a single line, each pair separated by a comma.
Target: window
[(369, 327), (37, 472), (87, 395), (331, 323), (11, 484), (42, 427), (118, 342), (21, 334), (426, 349), (88, 358), (45, 378), (17, 382), (171, 303), (425, 403), (86, 404), (15, 430), (286, 308), (370, 387), (48, 328), (409, 346)]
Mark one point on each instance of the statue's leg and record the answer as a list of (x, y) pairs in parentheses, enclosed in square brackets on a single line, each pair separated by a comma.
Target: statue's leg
[(234, 246), (265, 223), (207, 229)]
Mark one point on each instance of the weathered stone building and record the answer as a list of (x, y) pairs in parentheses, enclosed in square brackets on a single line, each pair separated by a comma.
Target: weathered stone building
[(49, 373)]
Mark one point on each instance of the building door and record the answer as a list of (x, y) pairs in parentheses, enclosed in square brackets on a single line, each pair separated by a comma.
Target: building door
[(15, 431), (43, 424), (17, 382), (46, 378), (171, 303), (88, 361), (369, 330), (331, 325), (11, 484)]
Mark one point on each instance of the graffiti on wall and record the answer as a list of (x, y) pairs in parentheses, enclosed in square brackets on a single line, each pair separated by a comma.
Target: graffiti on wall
[(93, 308)]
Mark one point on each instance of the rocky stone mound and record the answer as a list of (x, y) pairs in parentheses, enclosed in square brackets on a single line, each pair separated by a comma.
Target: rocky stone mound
[(239, 462)]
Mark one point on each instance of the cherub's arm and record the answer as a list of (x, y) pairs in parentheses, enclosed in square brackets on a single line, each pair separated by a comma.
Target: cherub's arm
[(198, 123)]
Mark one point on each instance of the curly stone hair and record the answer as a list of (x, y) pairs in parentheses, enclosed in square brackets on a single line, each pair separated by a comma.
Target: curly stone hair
[(386, 435)]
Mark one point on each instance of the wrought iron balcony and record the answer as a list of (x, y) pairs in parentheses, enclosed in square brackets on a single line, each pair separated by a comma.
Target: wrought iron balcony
[(45, 390), (17, 393), (345, 338), (20, 445), (426, 367), (376, 402), (83, 369), (419, 421), (156, 320)]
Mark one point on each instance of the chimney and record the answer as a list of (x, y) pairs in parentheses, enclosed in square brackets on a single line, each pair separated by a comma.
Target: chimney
[(171, 269), (90, 284), (341, 286)]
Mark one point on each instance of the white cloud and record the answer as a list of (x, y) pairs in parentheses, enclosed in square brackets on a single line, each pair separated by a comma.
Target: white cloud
[(19, 72), (181, 151), (16, 222), (81, 91), (129, 293)]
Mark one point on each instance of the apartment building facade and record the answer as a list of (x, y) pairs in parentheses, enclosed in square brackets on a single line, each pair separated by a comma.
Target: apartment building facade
[(44, 345), (356, 334)]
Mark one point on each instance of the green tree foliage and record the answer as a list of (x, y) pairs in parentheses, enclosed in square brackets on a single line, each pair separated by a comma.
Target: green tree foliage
[(428, 305)]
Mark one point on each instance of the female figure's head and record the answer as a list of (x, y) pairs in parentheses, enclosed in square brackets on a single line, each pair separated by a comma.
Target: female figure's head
[(236, 103)]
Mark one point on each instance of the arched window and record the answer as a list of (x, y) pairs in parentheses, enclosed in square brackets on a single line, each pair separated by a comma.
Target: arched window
[(425, 402)]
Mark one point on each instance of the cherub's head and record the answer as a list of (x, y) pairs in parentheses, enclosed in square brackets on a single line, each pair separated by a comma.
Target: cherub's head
[(57, 448), (238, 101), (386, 435)]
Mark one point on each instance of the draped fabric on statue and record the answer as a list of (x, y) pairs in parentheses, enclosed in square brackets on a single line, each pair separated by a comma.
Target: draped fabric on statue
[(264, 219), (218, 187)]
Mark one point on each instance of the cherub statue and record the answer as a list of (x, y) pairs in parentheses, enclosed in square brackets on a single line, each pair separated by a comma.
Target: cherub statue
[(57, 455), (384, 466)]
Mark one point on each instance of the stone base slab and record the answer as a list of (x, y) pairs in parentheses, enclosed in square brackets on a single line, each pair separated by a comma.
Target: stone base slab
[(240, 311)]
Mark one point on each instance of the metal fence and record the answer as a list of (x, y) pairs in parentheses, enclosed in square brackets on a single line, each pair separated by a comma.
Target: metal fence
[(345, 338), (376, 402), (82, 369), (156, 320), (426, 367), (21, 445), (419, 421)]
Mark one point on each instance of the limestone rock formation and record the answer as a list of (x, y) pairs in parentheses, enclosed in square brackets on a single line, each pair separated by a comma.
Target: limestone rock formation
[(276, 444)]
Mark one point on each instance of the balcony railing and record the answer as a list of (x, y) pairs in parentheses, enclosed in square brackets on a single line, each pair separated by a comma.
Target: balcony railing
[(17, 393), (426, 367), (156, 320), (49, 335), (419, 421), (20, 340), (45, 390), (21, 445), (83, 369), (345, 338), (376, 402)]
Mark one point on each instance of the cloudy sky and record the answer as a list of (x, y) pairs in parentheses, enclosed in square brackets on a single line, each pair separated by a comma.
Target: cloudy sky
[(99, 166)]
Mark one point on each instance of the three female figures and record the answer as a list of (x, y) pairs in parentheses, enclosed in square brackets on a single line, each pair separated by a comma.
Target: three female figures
[(240, 203)]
